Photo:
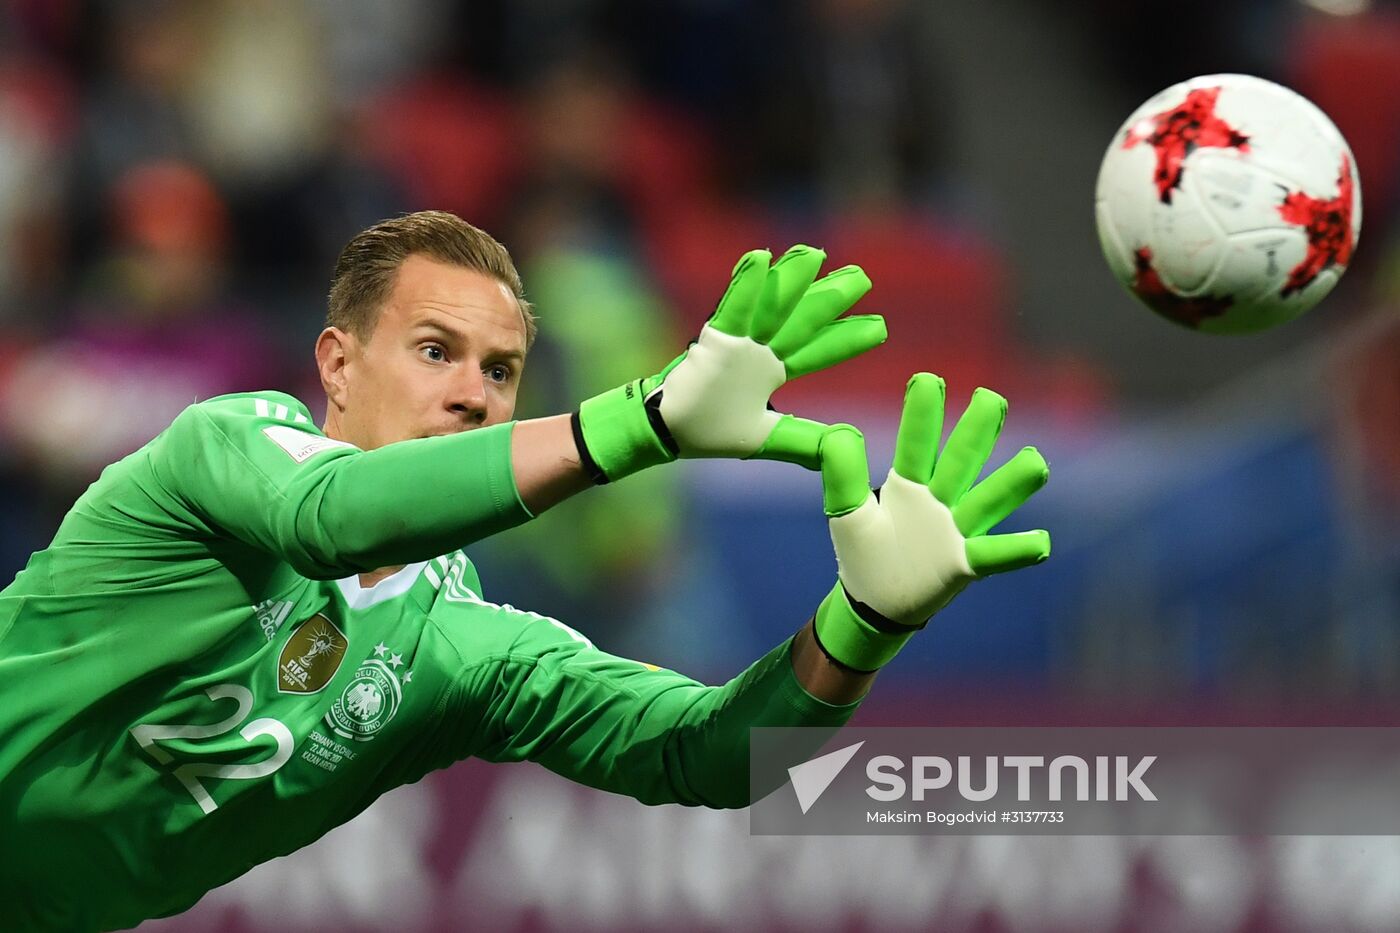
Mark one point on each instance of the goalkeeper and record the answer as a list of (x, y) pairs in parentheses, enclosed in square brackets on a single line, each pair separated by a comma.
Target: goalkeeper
[(249, 629)]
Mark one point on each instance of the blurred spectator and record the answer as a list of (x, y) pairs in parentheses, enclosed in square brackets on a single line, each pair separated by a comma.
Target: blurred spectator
[(593, 147), (152, 334), (35, 125), (132, 108), (370, 45), (241, 90), (258, 97), (709, 57), (258, 107), (853, 109)]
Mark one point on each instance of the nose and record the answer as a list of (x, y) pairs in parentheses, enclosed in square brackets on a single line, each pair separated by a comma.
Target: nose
[(468, 397)]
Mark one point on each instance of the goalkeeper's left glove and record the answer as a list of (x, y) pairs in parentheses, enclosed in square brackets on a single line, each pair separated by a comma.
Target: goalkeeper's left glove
[(904, 553), (772, 325)]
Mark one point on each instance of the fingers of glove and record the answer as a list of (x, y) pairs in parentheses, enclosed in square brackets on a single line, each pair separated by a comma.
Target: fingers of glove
[(997, 496), (784, 286), (969, 446), (794, 440), (989, 554), (734, 316), (828, 298), (920, 427), (837, 342), (845, 474)]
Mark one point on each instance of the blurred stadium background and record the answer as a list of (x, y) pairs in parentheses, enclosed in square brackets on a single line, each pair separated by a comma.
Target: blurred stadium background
[(177, 177)]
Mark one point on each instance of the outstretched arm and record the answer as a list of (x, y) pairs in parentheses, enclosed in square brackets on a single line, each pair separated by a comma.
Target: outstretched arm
[(255, 468), (628, 727), (661, 737)]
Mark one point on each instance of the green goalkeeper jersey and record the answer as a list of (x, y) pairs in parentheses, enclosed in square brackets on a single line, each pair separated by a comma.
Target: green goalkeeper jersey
[(194, 680)]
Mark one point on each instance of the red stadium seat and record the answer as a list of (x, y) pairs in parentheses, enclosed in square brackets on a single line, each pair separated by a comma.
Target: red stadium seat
[(664, 161), (448, 143), (1350, 67), (943, 294)]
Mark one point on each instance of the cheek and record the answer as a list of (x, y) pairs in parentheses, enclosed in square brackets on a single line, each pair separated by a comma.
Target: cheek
[(502, 402), (392, 392), (382, 389)]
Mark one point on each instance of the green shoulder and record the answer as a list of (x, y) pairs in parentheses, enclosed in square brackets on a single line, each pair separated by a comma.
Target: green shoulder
[(274, 429), (262, 406)]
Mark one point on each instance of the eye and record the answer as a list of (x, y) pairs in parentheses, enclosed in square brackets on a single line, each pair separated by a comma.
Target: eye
[(499, 373), (433, 353)]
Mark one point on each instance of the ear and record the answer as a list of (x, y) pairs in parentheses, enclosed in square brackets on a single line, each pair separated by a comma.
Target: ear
[(334, 349)]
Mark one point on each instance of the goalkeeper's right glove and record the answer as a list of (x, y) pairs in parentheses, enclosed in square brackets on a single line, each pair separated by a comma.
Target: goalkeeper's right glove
[(904, 553), (775, 322)]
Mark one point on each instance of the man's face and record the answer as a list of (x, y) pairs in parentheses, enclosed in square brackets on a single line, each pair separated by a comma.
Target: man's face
[(445, 356)]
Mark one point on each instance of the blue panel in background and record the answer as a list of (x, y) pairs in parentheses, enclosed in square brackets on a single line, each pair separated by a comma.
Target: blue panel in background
[(1224, 561)]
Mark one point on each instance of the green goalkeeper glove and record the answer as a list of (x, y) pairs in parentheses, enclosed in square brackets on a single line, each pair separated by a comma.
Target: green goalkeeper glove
[(772, 325), (904, 553)]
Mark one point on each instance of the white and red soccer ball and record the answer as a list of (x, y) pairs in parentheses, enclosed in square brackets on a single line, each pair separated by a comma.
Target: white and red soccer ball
[(1228, 204)]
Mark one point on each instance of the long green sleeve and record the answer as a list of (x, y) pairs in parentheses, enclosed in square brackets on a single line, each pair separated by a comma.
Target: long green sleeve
[(624, 726), (254, 467)]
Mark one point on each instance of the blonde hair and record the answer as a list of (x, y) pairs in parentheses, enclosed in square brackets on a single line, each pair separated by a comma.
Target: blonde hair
[(365, 271)]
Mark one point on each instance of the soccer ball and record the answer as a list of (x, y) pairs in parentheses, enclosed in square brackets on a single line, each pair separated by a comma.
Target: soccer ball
[(1228, 204)]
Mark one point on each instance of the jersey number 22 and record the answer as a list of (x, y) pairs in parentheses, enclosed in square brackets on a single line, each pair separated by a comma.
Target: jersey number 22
[(189, 774)]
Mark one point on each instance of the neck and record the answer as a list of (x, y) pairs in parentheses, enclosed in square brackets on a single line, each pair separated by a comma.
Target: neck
[(332, 428)]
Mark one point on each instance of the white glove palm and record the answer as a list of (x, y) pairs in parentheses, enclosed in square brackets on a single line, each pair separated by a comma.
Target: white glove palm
[(905, 553)]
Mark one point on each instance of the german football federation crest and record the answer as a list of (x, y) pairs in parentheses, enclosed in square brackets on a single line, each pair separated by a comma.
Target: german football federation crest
[(367, 703), (311, 656)]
